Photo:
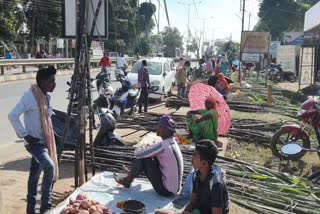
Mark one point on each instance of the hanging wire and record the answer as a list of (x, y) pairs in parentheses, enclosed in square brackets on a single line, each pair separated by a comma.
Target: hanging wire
[(195, 6)]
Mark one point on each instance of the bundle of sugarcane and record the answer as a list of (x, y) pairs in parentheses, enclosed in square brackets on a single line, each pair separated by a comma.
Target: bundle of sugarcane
[(245, 130), (176, 102), (254, 187), (266, 191), (290, 111)]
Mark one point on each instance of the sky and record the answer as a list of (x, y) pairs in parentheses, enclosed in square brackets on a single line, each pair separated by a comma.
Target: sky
[(226, 21)]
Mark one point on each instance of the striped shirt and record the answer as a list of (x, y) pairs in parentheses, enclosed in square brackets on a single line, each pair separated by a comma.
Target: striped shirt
[(171, 162)]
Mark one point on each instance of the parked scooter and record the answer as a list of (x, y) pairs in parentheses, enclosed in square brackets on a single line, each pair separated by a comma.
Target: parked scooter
[(125, 99), (106, 135), (105, 95)]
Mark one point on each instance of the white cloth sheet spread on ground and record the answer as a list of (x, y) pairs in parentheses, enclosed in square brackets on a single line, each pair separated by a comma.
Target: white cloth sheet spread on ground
[(104, 189)]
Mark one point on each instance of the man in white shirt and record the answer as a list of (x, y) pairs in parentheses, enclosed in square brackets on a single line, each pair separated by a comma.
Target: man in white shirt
[(35, 137), (121, 62)]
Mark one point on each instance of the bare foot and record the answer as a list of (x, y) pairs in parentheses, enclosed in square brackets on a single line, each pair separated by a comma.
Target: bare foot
[(126, 181), (125, 169)]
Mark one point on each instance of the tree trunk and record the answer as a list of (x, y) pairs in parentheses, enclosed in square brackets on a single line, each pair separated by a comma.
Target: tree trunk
[(32, 31)]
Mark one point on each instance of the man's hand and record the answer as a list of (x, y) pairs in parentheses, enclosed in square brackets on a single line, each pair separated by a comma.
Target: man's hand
[(31, 140)]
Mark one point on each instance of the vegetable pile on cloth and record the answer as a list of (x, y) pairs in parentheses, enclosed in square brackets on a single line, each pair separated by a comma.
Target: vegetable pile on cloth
[(83, 205)]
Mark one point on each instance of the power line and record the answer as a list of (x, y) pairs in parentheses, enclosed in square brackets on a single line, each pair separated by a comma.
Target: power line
[(195, 6), (43, 8)]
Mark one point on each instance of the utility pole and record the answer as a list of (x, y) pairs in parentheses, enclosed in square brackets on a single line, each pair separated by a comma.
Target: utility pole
[(203, 35), (158, 27), (189, 4), (249, 21), (242, 26)]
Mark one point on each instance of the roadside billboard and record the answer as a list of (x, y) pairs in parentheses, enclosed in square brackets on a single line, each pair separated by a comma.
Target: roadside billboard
[(312, 17), (97, 49), (255, 42), (273, 48), (293, 38), (306, 66), (248, 57), (286, 56)]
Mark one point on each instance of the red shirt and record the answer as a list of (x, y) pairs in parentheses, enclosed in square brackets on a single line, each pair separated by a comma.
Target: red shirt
[(105, 62)]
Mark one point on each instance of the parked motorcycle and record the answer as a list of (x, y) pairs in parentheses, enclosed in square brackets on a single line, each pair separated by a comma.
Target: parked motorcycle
[(309, 115), (119, 72), (275, 72), (289, 75), (103, 76), (197, 73)]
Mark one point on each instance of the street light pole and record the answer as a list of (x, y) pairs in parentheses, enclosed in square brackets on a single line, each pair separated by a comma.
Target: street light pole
[(189, 4), (203, 24), (188, 40), (242, 26)]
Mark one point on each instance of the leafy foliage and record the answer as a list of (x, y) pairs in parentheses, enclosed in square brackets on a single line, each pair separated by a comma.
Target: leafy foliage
[(143, 47), (278, 16), (172, 37), (47, 18), (11, 19), (223, 46), (129, 22)]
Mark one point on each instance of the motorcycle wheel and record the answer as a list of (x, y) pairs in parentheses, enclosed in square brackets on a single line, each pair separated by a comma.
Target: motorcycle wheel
[(292, 78), (282, 137)]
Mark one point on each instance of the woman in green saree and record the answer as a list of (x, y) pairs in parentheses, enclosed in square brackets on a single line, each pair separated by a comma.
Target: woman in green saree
[(205, 126)]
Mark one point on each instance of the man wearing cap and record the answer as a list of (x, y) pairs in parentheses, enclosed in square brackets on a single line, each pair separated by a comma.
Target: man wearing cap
[(162, 162)]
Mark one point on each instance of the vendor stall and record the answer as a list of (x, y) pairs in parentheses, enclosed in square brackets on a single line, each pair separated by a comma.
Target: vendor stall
[(104, 189)]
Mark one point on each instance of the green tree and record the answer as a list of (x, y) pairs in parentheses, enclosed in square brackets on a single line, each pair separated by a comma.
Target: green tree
[(146, 12), (278, 16), (225, 46), (129, 22), (44, 19), (11, 19), (171, 37), (143, 47)]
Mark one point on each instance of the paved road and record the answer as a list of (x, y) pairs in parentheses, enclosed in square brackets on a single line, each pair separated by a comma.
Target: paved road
[(10, 94)]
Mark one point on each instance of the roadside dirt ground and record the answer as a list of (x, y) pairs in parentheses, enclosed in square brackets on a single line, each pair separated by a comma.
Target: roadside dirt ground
[(14, 169)]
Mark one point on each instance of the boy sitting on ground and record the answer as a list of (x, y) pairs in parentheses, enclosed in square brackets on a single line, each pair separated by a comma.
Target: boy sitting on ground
[(209, 192)]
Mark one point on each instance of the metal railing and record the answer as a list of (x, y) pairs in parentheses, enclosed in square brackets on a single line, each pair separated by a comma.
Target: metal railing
[(32, 62)]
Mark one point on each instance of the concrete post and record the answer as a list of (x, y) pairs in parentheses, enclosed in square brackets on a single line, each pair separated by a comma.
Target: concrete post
[(269, 98)]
